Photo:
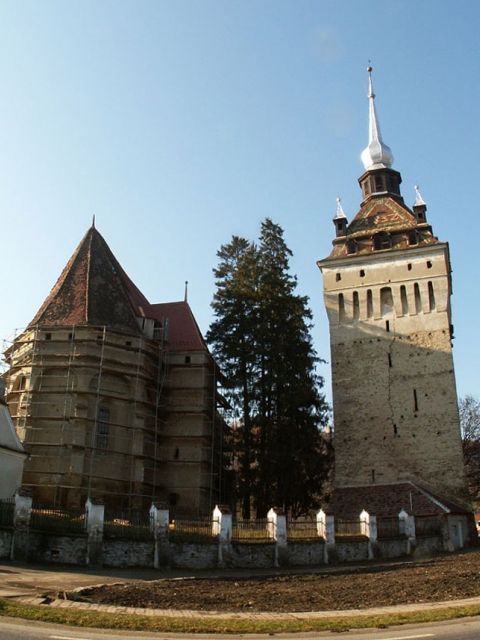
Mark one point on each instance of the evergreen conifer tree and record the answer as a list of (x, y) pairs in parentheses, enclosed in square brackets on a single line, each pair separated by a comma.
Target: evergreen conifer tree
[(261, 340)]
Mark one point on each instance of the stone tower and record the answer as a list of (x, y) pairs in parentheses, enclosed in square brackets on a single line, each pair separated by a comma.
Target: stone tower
[(387, 288)]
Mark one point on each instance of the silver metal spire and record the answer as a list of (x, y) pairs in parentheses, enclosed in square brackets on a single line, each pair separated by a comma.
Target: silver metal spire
[(339, 213), (419, 201), (376, 155)]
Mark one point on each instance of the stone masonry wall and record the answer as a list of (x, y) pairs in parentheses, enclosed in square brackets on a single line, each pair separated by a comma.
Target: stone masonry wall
[(394, 395)]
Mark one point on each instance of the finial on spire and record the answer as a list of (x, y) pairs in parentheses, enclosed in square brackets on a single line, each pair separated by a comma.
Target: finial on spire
[(376, 155), (186, 291), (419, 201), (339, 213), (93, 221)]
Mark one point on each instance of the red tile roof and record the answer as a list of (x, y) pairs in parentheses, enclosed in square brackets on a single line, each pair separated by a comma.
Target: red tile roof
[(183, 333), (92, 289), (389, 500)]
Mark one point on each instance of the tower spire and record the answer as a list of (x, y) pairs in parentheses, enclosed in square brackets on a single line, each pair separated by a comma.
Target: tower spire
[(376, 154)]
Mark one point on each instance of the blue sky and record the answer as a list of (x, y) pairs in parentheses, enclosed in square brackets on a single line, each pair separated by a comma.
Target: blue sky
[(179, 123)]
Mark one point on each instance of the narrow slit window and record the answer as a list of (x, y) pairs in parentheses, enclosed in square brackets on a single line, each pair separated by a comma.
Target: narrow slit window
[(338, 277), (387, 326), (356, 306), (404, 299), (415, 400), (418, 299), (341, 308), (369, 304), (389, 360), (431, 296), (373, 476)]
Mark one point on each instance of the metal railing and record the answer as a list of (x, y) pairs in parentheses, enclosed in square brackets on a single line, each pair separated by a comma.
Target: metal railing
[(251, 531), (127, 526), (57, 520), (302, 529), (7, 510), (348, 528), (192, 530), (388, 527)]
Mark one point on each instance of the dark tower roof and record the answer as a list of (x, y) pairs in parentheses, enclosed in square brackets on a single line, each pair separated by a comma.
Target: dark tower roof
[(93, 289)]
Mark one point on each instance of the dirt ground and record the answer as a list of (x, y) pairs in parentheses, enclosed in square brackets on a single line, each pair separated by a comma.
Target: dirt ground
[(443, 578)]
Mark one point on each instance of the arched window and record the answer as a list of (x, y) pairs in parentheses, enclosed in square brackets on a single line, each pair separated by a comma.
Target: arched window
[(103, 428), (386, 301), (369, 303), (418, 299), (404, 299), (356, 306), (341, 308), (431, 296)]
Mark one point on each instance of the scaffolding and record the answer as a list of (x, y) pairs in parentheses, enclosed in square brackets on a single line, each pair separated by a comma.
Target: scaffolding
[(49, 377)]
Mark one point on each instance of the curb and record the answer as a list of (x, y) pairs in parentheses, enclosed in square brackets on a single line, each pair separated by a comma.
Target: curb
[(253, 615)]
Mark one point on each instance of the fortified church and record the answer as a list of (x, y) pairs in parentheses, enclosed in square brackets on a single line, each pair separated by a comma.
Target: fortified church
[(117, 399), (114, 398), (387, 287)]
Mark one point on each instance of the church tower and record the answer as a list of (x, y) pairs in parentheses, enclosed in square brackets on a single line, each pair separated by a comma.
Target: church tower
[(387, 287)]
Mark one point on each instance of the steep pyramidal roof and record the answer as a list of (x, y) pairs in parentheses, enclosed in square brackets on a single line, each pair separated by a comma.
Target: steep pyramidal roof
[(93, 289)]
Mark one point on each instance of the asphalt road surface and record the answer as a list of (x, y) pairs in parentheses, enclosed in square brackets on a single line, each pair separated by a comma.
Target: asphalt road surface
[(466, 629)]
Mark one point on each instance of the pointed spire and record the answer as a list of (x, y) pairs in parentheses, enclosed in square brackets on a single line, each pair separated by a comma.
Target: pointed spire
[(186, 291), (93, 221), (340, 219), (339, 213), (419, 201), (376, 155)]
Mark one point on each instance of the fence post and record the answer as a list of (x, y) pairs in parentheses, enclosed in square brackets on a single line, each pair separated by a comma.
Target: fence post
[(406, 526), (368, 527), (21, 524), (94, 515), (222, 526), (159, 520), (326, 530), (277, 530)]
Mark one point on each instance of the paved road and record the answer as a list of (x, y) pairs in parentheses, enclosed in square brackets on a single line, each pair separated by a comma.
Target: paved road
[(467, 629)]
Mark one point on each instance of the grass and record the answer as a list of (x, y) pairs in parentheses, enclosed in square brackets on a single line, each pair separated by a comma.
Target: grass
[(211, 624)]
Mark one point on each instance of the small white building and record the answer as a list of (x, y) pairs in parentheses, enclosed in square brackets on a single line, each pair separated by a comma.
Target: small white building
[(12, 453)]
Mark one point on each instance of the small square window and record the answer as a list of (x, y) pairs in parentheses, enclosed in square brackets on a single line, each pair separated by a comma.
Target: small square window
[(362, 273), (409, 266), (429, 264), (187, 359), (48, 336), (338, 277)]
